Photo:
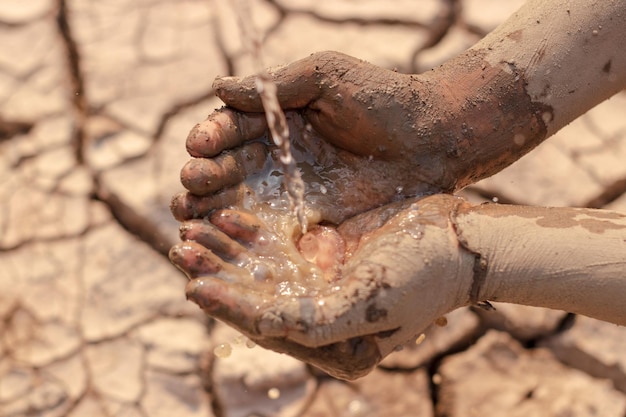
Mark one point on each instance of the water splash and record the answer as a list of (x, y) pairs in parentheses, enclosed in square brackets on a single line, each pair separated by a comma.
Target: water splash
[(275, 116), (223, 350), (273, 393)]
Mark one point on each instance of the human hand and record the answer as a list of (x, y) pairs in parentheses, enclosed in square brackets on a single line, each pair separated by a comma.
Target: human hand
[(357, 122), (340, 299)]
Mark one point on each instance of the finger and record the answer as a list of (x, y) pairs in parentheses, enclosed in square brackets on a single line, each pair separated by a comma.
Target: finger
[(203, 176), (299, 83), (238, 224), (196, 261), (210, 237), (224, 129), (186, 206), (233, 303)]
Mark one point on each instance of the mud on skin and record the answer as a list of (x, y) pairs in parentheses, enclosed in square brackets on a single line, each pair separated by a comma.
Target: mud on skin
[(373, 139), (332, 290)]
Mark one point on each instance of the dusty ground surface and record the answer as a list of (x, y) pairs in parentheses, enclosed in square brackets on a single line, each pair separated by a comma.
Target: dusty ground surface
[(96, 99)]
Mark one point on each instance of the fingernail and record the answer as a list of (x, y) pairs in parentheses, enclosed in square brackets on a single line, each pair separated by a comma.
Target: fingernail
[(193, 289), (203, 292), (225, 80), (177, 207)]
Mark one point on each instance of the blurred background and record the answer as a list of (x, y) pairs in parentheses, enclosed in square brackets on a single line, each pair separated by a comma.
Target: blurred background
[(96, 100)]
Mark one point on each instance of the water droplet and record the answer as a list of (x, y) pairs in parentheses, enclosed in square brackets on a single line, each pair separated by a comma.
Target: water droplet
[(286, 159), (415, 234), (250, 344), (495, 199), (261, 272), (356, 407), (399, 189), (519, 139), (323, 189), (594, 32), (223, 350), (273, 393)]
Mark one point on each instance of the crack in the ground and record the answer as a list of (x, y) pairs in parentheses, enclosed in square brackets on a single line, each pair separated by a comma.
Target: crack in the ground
[(11, 128), (437, 31), (285, 10), (132, 221), (177, 108), (125, 215), (79, 100), (609, 194), (54, 239)]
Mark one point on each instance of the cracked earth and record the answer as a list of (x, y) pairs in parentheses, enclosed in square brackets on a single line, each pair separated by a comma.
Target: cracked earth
[(96, 99)]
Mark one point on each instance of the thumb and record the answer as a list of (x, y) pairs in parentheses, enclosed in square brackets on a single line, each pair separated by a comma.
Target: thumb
[(298, 84)]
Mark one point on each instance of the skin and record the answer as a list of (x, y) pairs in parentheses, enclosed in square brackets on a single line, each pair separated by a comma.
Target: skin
[(370, 276), (343, 313), (568, 259), (364, 289)]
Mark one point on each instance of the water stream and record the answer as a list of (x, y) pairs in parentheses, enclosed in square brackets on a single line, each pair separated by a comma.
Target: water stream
[(275, 116)]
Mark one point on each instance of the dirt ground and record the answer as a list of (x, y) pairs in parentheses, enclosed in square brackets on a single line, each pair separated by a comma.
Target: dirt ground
[(96, 99)]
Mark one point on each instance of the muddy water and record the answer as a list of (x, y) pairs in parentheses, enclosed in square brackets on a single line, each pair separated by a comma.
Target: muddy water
[(291, 258), (276, 119)]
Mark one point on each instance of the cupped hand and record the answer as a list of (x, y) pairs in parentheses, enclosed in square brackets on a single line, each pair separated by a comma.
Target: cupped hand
[(338, 298), (364, 130)]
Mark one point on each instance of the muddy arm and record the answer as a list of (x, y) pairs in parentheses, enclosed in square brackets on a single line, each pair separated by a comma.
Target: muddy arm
[(407, 264), (400, 135), (442, 253), (562, 258), (546, 65), (569, 53)]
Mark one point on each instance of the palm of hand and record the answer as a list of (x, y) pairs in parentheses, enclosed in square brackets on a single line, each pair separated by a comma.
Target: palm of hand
[(360, 153), (340, 299)]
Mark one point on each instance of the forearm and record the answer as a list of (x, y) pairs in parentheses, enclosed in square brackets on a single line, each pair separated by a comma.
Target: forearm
[(562, 258), (570, 53), (546, 65)]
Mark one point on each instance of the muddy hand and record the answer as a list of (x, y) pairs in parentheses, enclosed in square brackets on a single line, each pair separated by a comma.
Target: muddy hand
[(363, 122), (340, 299)]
